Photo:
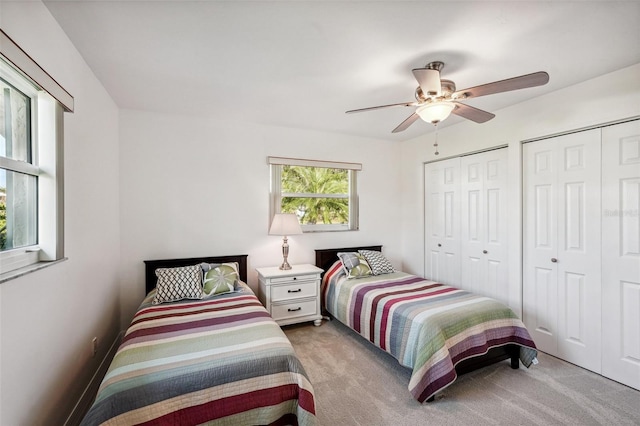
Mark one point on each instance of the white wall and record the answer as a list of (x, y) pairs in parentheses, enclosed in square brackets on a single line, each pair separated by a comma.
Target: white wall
[(141, 185), (48, 317), (191, 186), (601, 100)]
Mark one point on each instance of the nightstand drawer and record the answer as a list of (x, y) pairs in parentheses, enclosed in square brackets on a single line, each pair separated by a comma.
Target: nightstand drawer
[(291, 278), (293, 291), (293, 310)]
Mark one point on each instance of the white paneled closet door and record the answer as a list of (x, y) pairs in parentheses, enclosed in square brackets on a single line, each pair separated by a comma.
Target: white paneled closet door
[(562, 247), (483, 195), (442, 221), (621, 253)]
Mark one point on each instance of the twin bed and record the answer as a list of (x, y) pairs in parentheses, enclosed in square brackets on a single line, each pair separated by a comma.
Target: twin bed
[(223, 360), (217, 360), (437, 331)]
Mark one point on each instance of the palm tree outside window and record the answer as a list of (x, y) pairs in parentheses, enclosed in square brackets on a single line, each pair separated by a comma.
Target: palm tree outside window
[(323, 195)]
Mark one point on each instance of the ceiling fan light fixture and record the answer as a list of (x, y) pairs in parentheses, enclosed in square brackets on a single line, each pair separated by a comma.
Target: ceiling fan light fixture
[(435, 112)]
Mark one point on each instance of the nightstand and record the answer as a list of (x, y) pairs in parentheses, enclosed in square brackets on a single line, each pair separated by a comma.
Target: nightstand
[(291, 296)]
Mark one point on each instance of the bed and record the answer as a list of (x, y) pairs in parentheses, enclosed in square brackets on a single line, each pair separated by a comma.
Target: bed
[(216, 360), (436, 330)]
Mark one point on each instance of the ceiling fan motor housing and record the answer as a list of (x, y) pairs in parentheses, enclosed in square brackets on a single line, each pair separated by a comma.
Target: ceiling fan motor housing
[(447, 87)]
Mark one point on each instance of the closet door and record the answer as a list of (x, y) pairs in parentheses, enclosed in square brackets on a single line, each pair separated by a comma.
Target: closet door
[(483, 197), (621, 253), (540, 275), (442, 221), (562, 277)]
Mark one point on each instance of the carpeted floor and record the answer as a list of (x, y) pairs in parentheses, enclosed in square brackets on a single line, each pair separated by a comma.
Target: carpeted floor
[(358, 384)]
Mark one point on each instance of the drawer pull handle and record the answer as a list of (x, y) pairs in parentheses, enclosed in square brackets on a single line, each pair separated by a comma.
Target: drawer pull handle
[(294, 310), (294, 291), (295, 278)]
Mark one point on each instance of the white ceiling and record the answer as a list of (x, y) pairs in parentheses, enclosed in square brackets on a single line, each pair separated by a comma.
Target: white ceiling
[(302, 64)]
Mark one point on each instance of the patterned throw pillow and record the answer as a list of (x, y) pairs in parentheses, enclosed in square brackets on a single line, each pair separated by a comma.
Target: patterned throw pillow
[(178, 283), (355, 265), (220, 279), (377, 262)]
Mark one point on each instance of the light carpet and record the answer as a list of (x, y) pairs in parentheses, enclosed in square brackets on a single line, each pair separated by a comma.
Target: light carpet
[(356, 383)]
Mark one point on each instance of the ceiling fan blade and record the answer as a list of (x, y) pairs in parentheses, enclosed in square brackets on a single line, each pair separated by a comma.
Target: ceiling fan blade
[(522, 82), (406, 123), (382, 106), (472, 113), (429, 81)]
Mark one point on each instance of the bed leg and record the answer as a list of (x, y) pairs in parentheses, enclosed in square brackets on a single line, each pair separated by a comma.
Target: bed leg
[(515, 356), (515, 362)]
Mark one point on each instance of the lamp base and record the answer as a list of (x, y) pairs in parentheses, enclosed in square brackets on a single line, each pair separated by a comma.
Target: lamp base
[(285, 266), (285, 253)]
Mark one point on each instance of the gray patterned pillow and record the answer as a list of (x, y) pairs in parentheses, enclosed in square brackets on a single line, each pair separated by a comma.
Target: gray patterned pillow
[(377, 262), (355, 265), (178, 283)]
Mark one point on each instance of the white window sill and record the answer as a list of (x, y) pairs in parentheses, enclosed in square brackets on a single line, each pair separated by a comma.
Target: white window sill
[(7, 276)]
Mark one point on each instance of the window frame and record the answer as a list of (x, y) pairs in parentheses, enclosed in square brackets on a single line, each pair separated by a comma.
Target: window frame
[(49, 101), (276, 194), (27, 167)]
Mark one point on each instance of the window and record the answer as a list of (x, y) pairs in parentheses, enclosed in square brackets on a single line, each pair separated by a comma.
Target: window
[(31, 178), (322, 194), (18, 176)]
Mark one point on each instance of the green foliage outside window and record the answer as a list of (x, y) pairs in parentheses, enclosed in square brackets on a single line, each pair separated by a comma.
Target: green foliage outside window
[(316, 195)]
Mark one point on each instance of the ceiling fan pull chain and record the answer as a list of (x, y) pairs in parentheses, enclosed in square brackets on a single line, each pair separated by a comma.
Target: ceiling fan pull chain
[(436, 144)]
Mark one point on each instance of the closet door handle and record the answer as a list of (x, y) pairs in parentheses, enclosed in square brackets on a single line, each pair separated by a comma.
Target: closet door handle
[(439, 245), (554, 260), (484, 251)]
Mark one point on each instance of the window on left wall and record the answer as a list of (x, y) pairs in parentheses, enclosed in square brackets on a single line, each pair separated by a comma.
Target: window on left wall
[(31, 163), (19, 174)]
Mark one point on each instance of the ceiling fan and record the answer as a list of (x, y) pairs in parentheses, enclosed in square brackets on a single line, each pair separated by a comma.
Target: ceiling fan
[(436, 98)]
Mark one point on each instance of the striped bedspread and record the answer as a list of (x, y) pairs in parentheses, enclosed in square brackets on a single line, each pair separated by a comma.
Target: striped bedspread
[(221, 360), (427, 326)]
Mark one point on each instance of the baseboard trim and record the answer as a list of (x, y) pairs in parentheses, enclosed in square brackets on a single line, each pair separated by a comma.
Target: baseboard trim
[(89, 394)]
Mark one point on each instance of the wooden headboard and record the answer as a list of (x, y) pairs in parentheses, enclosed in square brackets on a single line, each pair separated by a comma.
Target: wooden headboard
[(150, 266), (326, 257)]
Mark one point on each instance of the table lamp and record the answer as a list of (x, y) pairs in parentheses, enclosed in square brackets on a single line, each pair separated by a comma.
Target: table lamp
[(285, 224)]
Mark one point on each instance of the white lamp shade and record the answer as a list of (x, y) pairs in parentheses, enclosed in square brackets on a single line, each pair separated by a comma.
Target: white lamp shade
[(435, 112), (285, 224)]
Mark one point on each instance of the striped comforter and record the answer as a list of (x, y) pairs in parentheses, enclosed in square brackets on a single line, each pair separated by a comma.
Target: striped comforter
[(426, 326), (221, 360)]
